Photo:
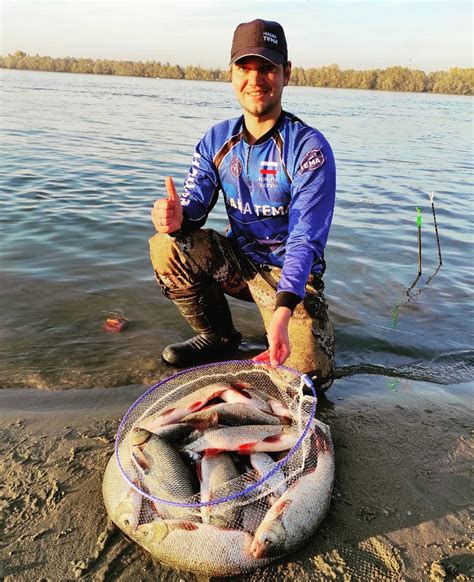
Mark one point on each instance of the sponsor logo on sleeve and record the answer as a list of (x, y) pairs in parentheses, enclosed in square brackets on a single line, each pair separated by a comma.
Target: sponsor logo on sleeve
[(235, 167), (312, 161)]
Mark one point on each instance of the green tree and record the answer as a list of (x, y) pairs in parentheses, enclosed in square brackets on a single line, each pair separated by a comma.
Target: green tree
[(456, 80), (401, 79)]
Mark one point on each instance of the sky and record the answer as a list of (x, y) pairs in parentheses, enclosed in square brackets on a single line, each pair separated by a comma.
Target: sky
[(428, 35)]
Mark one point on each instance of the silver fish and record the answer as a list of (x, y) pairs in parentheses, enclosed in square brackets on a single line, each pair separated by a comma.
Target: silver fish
[(199, 547), (241, 393), (184, 406), (216, 475), (263, 464), (300, 510), (170, 432), (167, 477), (229, 414), (253, 514), (280, 409), (245, 439), (124, 504)]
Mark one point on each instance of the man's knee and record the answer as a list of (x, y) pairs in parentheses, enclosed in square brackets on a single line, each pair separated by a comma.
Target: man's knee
[(161, 251), (178, 261)]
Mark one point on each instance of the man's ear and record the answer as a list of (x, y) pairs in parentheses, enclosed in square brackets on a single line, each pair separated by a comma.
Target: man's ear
[(287, 73)]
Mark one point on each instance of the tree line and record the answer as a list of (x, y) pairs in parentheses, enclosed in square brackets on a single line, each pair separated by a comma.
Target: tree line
[(457, 80)]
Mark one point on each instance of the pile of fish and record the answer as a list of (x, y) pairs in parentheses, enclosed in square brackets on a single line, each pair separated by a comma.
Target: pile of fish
[(212, 445)]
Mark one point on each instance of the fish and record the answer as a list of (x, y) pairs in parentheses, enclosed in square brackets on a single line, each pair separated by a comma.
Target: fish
[(139, 436), (229, 414), (239, 392), (127, 512), (200, 547), (170, 432), (216, 472), (263, 464), (280, 409), (296, 515), (253, 514), (182, 407), (245, 439), (168, 478), (125, 504)]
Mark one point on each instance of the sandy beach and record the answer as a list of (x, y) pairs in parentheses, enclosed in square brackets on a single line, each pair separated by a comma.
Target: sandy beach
[(399, 509)]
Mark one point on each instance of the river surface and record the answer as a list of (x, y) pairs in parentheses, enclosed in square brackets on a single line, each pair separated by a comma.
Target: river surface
[(84, 157)]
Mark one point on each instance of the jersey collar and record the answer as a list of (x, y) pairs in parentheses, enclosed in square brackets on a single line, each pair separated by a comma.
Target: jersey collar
[(269, 133)]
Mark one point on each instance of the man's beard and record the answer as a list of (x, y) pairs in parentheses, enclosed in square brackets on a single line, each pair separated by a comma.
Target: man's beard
[(262, 109), (259, 110)]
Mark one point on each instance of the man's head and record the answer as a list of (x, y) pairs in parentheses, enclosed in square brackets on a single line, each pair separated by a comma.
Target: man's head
[(260, 38), (260, 67)]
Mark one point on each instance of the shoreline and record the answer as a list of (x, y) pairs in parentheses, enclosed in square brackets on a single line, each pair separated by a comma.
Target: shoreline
[(399, 509), (226, 80)]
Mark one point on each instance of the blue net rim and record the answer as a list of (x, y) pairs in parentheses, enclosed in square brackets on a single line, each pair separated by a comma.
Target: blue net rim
[(248, 489)]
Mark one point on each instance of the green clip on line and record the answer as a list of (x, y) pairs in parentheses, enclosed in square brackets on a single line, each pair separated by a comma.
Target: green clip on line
[(418, 217)]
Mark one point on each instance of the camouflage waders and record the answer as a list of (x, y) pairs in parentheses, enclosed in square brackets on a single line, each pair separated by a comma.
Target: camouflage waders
[(195, 270)]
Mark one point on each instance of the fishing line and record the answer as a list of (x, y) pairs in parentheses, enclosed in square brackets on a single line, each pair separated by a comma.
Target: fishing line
[(431, 195), (413, 296)]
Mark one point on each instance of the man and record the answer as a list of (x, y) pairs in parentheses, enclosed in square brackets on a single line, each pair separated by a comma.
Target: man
[(278, 179)]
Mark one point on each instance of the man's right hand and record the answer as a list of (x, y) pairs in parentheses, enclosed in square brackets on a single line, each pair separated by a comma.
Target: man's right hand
[(167, 214)]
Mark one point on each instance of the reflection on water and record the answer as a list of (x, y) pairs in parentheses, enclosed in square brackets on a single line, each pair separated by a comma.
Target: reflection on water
[(84, 157)]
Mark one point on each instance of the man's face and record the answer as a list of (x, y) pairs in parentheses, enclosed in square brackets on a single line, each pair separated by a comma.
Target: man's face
[(258, 84)]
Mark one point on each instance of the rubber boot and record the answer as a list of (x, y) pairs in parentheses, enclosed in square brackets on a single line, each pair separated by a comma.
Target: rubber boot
[(209, 315)]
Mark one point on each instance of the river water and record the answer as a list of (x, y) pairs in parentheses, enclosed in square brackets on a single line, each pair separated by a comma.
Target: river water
[(84, 157)]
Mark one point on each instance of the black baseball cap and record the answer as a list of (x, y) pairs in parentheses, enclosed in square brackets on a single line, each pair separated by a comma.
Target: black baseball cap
[(261, 38)]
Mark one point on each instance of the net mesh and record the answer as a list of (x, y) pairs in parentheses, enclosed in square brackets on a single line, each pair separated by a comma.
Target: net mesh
[(215, 467)]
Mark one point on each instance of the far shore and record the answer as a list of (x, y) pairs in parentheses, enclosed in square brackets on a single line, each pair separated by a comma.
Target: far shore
[(455, 81)]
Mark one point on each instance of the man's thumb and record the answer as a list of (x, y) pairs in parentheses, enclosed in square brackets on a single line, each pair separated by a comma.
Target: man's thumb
[(172, 194)]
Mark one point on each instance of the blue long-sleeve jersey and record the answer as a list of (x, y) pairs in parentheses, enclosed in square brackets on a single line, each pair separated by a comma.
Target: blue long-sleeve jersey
[(279, 194)]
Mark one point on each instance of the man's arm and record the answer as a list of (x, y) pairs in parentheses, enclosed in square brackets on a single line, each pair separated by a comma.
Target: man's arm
[(310, 215), (189, 210)]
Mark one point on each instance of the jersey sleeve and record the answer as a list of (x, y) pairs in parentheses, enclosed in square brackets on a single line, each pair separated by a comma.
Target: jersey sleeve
[(201, 187), (311, 209)]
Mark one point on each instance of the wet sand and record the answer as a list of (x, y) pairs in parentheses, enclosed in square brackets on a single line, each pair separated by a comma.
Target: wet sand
[(399, 509)]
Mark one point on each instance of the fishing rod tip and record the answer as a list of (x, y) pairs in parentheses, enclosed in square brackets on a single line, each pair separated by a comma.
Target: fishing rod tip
[(431, 195)]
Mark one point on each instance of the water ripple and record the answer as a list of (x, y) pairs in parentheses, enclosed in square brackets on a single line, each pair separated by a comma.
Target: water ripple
[(84, 158)]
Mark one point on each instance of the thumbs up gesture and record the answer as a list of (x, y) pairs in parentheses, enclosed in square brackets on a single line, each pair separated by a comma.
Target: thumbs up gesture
[(167, 214)]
